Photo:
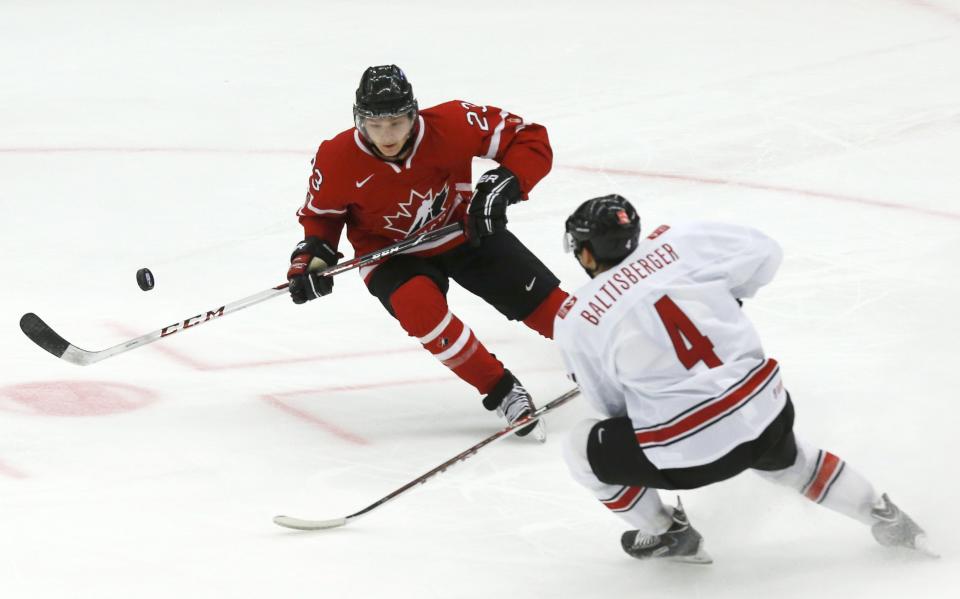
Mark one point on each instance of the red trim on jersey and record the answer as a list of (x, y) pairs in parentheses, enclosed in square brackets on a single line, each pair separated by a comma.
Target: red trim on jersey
[(625, 499), (828, 467), (659, 231), (710, 411)]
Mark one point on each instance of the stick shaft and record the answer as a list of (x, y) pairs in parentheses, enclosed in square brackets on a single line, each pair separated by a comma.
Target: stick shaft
[(43, 335), (301, 524)]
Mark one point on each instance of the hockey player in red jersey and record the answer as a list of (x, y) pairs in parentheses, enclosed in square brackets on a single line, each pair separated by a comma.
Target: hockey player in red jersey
[(659, 345), (401, 171)]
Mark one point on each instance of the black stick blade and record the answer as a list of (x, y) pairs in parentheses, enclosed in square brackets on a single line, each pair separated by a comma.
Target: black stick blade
[(41, 334)]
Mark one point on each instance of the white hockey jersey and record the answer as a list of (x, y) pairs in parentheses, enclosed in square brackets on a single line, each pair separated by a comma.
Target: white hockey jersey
[(661, 338)]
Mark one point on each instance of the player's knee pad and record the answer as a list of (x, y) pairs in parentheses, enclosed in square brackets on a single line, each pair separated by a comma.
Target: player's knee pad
[(419, 305), (575, 449)]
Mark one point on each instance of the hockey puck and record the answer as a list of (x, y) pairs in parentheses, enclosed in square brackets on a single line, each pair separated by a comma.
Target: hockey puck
[(145, 279)]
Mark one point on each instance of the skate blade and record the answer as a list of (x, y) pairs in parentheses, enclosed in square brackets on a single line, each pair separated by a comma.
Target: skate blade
[(921, 544), (534, 431), (700, 557), (540, 432)]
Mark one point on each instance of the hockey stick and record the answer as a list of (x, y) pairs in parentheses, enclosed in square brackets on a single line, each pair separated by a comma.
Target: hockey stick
[(40, 332), (301, 524)]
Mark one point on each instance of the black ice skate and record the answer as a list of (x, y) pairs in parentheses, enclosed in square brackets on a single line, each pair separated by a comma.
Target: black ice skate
[(681, 542), (894, 528), (512, 401)]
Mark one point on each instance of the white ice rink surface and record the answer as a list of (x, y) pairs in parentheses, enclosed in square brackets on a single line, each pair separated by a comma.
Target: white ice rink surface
[(177, 135)]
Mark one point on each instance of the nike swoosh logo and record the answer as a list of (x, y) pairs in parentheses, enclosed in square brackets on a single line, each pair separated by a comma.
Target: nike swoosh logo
[(529, 285), (364, 182)]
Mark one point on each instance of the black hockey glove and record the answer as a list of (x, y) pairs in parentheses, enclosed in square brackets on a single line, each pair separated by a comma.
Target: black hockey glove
[(487, 213), (305, 283)]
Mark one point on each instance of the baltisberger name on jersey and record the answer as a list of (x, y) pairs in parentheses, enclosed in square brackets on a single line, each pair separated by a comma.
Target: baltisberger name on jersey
[(624, 277)]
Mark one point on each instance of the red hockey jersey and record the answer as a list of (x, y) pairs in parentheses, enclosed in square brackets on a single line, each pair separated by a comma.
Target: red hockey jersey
[(383, 202)]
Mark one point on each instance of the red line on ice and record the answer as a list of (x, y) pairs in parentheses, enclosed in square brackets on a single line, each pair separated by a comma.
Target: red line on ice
[(591, 169), (182, 358), (8, 470), (315, 358), (376, 385), (277, 399), (327, 426), (764, 187), (197, 364), (934, 8), (145, 150), (400, 382), (186, 360)]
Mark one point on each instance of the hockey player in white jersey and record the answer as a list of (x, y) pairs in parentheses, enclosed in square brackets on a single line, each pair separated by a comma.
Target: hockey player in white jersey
[(659, 345)]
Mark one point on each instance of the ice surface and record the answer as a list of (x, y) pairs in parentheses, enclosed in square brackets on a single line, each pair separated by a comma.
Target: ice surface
[(177, 136)]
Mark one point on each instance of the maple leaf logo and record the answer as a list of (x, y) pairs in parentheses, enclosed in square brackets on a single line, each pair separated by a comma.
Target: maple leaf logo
[(418, 211)]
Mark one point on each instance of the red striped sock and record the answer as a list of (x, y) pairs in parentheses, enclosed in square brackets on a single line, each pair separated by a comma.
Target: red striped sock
[(625, 499), (422, 311), (828, 469)]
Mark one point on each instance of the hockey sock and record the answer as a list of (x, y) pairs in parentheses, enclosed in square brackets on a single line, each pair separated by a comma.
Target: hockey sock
[(541, 319), (639, 506), (422, 311), (824, 478)]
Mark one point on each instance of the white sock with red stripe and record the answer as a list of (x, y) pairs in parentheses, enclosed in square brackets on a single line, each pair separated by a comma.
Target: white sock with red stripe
[(640, 507), (824, 478)]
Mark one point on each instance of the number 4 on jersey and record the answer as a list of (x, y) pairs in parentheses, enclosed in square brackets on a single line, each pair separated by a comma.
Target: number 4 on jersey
[(682, 331)]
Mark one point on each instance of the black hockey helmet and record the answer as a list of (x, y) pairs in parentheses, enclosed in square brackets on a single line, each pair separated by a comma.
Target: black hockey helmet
[(608, 226), (383, 92)]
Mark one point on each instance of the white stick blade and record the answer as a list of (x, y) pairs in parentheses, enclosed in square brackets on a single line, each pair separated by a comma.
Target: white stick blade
[(300, 524)]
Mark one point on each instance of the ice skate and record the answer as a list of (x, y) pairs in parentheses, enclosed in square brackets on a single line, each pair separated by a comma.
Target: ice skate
[(681, 542), (512, 401), (894, 528)]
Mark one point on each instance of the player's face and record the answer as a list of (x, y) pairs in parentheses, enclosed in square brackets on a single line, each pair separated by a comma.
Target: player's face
[(388, 134)]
